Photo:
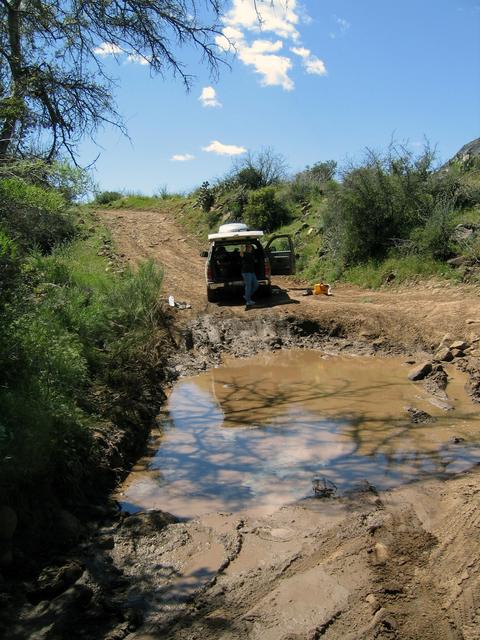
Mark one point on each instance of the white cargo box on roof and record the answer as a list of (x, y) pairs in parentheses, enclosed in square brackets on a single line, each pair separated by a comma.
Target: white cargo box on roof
[(234, 230), (233, 226), (235, 234)]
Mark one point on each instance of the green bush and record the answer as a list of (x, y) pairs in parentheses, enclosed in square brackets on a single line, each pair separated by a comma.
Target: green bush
[(206, 197), (105, 197), (313, 181), (72, 327), (69, 182), (236, 201), (378, 204), (250, 178), (34, 216), (264, 211), (9, 265), (435, 238)]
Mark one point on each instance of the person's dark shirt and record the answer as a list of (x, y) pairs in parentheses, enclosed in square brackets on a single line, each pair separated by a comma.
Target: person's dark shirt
[(248, 262)]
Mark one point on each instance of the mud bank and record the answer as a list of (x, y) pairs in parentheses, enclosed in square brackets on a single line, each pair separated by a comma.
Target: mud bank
[(208, 338), (211, 336)]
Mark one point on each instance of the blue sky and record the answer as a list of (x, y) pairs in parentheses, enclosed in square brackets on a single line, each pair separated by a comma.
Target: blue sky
[(320, 80)]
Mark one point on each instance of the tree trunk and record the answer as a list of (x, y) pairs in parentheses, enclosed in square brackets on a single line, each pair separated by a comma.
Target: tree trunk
[(15, 62)]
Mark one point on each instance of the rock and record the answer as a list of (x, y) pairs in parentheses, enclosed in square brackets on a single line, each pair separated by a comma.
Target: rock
[(420, 372), (417, 416), (444, 354), (462, 232), (459, 261), (459, 344), (458, 353), (436, 383), (373, 602), (440, 403), (445, 340), (381, 553), (457, 439), (52, 582)]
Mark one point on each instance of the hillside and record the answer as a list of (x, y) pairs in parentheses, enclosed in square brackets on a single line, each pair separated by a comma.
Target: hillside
[(391, 218)]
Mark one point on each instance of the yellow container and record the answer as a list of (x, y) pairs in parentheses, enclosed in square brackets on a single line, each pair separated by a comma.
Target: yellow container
[(320, 288)]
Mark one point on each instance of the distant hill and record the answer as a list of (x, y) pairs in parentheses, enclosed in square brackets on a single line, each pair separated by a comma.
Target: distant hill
[(468, 156)]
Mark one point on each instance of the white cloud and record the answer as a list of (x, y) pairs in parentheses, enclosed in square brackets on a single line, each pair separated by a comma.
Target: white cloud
[(245, 19), (311, 64), (208, 97), (265, 46), (224, 149), (273, 68), (182, 157), (281, 17), (137, 59), (107, 49), (301, 52), (315, 66)]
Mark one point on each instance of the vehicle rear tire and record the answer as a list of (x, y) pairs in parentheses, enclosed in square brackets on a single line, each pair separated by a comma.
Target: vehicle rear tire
[(212, 295)]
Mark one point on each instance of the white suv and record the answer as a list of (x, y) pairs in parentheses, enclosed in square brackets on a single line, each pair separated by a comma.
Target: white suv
[(223, 266)]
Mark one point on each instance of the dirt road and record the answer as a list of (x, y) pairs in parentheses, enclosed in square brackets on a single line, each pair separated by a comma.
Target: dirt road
[(413, 315), (399, 564)]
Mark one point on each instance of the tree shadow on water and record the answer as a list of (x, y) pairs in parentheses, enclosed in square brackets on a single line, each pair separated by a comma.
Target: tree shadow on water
[(249, 443)]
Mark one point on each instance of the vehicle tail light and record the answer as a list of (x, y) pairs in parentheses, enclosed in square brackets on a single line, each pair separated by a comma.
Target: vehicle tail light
[(267, 268), (209, 272)]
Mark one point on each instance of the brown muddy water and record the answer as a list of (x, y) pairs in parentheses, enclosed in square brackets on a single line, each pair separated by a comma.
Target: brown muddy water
[(255, 433)]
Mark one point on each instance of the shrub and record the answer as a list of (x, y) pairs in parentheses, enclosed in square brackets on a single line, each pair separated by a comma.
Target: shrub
[(236, 202), (313, 181), (72, 326), (206, 197), (378, 203), (250, 178), (9, 265), (34, 216), (435, 238), (70, 182), (105, 197), (258, 170), (264, 210)]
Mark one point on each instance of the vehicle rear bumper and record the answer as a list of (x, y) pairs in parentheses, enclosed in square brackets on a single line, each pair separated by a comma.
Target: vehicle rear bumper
[(233, 284)]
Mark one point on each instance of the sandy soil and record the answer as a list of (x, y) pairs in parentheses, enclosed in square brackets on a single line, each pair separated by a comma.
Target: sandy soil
[(400, 564)]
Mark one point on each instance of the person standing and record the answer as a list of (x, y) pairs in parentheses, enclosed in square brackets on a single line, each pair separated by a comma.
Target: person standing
[(248, 273)]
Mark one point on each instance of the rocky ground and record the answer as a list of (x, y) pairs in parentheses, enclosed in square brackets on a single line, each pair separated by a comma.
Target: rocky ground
[(396, 564)]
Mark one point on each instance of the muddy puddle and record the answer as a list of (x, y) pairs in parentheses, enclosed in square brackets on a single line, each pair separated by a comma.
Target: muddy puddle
[(261, 432)]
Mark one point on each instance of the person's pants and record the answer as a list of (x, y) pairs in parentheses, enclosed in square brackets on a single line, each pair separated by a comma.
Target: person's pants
[(251, 285)]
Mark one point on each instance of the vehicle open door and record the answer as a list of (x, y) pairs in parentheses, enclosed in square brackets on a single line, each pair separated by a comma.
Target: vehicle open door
[(281, 254)]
